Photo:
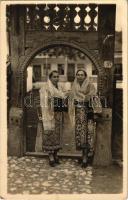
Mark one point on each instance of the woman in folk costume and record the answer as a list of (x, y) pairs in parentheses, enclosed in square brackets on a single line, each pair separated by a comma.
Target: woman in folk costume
[(82, 115), (51, 118)]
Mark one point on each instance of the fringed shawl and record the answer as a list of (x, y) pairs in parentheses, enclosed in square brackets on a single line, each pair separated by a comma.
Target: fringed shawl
[(83, 93), (47, 93)]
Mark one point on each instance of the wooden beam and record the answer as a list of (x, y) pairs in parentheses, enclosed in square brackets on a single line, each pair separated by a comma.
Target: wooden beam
[(106, 39), (17, 45), (85, 38)]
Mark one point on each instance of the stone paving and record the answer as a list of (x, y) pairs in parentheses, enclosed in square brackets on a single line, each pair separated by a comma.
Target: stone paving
[(33, 175)]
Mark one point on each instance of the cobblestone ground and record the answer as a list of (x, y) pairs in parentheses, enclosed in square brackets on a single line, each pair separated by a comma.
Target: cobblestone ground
[(32, 175)]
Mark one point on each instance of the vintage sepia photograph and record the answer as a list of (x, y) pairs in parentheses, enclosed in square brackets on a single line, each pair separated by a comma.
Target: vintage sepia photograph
[(64, 86)]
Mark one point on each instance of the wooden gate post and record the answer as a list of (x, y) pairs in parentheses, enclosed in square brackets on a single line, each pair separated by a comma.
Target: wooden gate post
[(106, 40), (106, 37), (15, 134)]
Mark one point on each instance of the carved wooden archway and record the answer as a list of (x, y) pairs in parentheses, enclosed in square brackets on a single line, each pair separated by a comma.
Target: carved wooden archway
[(31, 53)]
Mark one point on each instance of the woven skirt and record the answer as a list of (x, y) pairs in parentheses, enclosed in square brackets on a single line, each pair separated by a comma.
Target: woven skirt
[(51, 139), (85, 128)]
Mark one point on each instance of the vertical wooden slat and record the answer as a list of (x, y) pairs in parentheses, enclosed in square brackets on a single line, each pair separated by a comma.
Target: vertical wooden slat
[(16, 51), (106, 37), (17, 40)]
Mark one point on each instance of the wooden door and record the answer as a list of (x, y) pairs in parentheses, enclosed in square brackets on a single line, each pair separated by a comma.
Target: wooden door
[(71, 72)]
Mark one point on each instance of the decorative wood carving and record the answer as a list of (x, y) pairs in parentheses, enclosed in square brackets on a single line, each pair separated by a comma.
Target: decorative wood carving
[(61, 17)]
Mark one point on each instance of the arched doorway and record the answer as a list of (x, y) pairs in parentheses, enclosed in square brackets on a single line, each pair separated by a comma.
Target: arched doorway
[(31, 53), (64, 66)]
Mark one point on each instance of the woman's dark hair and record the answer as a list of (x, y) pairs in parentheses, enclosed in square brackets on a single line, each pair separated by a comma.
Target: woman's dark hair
[(82, 71), (51, 73)]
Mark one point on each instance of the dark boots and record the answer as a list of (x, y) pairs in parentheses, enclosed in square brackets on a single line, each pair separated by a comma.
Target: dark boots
[(53, 159), (56, 158), (84, 158), (90, 160)]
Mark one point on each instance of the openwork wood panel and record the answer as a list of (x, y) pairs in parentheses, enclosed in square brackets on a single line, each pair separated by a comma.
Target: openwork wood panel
[(61, 17)]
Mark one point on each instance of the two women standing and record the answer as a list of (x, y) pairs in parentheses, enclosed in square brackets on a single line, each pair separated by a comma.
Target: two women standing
[(80, 112)]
